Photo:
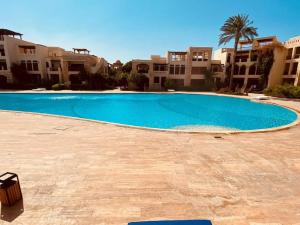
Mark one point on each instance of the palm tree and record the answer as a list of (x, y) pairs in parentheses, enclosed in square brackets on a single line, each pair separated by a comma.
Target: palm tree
[(237, 28)]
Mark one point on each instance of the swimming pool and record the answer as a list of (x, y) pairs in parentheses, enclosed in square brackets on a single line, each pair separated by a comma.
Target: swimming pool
[(163, 111)]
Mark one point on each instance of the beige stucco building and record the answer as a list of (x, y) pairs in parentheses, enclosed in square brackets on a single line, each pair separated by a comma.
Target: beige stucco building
[(291, 68), (44, 63), (188, 68), (285, 67), (185, 68)]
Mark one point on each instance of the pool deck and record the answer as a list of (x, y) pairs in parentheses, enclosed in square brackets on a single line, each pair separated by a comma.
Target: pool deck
[(82, 172)]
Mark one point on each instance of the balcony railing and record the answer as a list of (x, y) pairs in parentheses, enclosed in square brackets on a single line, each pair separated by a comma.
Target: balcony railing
[(53, 69), (241, 60)]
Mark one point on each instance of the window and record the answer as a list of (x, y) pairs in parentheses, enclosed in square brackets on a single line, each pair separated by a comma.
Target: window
[(198, 70), (200, 56), (242, 70), (236, 69), (80, 67), (228, 58), (297, 53), (178, 56), (29, 65), (172, 69), (23, 64), (1, 38), (35, 66), (27, 50), (177, 69), (2, 52), (294, 68), (286, 69), (182, 69), (197, 56), (141, 68), (289, 54), (205, 58), (156, 80), (3, 65), (252, 69), (160, 67), (254, 56)]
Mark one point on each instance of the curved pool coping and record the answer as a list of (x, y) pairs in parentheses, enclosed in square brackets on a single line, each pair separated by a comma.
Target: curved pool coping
[(284, 127)]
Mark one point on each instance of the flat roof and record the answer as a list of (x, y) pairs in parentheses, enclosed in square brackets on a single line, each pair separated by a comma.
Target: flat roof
[(80, 49), (8, 32)]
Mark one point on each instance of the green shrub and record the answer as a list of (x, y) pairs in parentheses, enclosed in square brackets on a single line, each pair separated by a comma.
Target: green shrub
[(283, 91), (122, 80), (78, 87), (132, 86), (57, 87), (140, 82), (169, 84)]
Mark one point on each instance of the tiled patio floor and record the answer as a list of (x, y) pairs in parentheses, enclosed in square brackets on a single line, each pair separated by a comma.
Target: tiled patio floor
[(80, 172)]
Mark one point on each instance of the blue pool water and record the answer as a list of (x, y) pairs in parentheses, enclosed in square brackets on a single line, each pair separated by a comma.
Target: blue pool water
[(167, 111)]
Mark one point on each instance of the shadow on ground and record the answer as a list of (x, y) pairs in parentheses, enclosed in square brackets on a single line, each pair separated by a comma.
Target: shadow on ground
[(9, 214)]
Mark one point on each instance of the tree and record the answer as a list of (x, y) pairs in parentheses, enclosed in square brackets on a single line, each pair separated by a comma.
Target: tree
[(20, 73), (138, 81), (122, 80), (236, 28), (127, 67), (83, 75), (209, 79), (96, 81), (169, 84)]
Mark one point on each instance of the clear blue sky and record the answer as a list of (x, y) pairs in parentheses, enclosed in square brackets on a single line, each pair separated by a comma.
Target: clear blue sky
[(127, 29)]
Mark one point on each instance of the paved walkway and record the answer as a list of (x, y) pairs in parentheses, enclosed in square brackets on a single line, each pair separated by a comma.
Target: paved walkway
[(80, 172)]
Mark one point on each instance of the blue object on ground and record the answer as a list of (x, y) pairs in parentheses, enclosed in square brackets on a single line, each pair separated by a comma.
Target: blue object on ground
[(173, 222)]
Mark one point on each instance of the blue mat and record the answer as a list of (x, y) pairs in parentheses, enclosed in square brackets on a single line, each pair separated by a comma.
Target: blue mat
[(173, 222)]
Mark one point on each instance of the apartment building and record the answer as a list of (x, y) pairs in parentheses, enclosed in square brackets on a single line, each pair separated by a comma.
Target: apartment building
[(285, 67), (246, 70), (44, 63), (185, 68), (61, 65), (291, 68)]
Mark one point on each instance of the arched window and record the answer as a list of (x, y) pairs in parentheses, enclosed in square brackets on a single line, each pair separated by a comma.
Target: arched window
[(242, 70), (252, 69), (236, 70)]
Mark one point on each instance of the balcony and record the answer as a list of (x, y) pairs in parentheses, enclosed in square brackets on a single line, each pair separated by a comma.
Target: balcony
[(73, 72), (54, 68), (238, 60), (2, 52), (253, 58)]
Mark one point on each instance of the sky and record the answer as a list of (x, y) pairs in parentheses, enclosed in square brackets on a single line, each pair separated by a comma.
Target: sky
[(137, 29)]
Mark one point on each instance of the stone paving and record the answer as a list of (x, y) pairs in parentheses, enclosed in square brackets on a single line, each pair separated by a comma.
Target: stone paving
[(81, 172)]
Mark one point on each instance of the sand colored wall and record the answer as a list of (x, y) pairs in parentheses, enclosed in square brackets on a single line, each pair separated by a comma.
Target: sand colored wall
[(43, 55), (275, 76), (186, 78)]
